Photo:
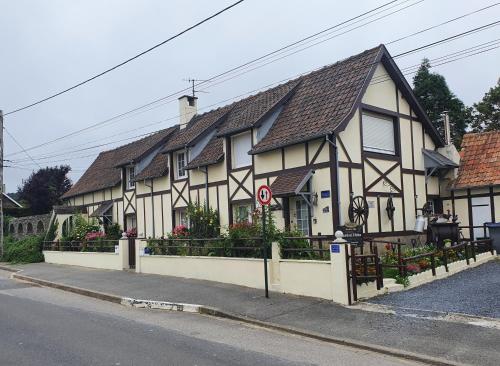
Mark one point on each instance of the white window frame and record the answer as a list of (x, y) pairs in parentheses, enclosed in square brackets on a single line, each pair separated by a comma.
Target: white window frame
[(241, 158), (181, 217), (236, 212), (384, 123), (130, 175), (180, 171)]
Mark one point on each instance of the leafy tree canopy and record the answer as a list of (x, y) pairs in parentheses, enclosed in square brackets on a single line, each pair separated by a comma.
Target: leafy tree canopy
[(44, 188), (435, 96), (486, 113)]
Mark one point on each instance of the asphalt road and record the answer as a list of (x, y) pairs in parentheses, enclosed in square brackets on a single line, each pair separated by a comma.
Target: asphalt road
[(41, 326)]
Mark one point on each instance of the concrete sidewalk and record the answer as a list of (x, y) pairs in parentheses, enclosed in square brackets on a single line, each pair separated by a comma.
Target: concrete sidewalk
[(456, 342)]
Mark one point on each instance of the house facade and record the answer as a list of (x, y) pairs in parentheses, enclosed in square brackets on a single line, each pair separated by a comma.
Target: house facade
[(474, 196), (348, 142)]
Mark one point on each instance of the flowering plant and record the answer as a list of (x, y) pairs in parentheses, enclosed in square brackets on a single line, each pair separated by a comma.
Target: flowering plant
[(131, 233), (94, 235), (413, 268), (180, 231)]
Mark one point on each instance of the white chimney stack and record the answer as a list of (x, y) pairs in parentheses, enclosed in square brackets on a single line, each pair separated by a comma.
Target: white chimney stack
[(187, 109)]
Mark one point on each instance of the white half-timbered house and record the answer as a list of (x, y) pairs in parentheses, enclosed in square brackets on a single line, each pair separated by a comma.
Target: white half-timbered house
[(346, 142)]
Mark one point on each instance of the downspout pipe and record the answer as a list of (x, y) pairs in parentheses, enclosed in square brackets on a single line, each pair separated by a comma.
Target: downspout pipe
[(152, 205), (337, 172)]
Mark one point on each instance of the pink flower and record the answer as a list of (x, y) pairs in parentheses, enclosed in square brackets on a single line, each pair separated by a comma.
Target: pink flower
[(131, 233), (180, 230), (413, 268), (94, 235)]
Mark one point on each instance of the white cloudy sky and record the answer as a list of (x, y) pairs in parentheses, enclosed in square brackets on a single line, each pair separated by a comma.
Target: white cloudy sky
[(52, 44)]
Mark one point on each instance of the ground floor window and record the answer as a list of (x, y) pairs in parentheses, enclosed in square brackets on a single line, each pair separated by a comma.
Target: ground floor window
[(131, 222), (242, 212), (302, 216), (181, 217)]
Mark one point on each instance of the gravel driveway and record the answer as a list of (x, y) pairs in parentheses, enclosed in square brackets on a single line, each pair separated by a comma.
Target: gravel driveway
[(475, 291)]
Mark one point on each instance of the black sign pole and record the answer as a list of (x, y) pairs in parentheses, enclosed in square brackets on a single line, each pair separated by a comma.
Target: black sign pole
[(264, 248)]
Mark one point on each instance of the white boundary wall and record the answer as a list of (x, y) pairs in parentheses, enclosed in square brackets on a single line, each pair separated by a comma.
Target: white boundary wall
[(85, 259), (298, 277), (247, 272)]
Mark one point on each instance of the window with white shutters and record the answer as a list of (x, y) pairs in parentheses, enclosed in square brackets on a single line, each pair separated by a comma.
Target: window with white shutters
[(378, 134), (242, 144)]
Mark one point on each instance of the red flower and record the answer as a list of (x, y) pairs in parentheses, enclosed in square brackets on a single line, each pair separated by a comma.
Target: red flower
[(131, 233), (94, 235), (180, 230), (413, 268)]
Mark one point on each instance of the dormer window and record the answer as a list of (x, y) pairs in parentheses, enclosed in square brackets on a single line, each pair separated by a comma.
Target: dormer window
[(180, 163), (241, 145), (130, 175)]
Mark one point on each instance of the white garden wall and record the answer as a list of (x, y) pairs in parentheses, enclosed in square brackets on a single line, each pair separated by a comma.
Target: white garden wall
[(85, 259), (247, 272), (307, 278)]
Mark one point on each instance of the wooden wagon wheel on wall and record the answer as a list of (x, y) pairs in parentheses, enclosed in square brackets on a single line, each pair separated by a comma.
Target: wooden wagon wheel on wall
[(390, 208), (358, 210)]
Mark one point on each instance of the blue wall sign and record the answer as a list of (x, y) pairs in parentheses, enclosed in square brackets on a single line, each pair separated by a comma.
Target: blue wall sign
[(335, 248), (325, 194)]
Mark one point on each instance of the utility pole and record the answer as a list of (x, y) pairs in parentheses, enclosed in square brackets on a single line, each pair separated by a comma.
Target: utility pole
[(1, 183)]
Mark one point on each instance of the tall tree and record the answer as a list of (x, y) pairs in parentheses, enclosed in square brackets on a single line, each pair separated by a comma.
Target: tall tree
[(44, 188), (435, 96), (487, 111)]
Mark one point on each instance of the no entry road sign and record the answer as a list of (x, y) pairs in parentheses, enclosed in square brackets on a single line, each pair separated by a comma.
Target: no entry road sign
[(264, 195)]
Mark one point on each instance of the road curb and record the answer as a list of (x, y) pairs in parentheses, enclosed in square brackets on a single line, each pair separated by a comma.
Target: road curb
[(9, 269), (77, 290), (211, 311)]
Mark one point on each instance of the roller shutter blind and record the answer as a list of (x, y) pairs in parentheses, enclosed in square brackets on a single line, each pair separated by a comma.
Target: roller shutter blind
[(242, 144), (378, 134)]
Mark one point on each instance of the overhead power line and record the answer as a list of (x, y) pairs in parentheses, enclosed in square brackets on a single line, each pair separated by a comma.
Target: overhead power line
[(22, 148), (132, 112), (126, 61), (438, 61), (375, 10)]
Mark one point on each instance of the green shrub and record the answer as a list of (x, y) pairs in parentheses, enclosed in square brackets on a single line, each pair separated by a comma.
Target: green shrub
[(52, 232), (402, 280), (286, 242), (113, 232), (390, 272), (83, 226), (26, 250), (203, 221)]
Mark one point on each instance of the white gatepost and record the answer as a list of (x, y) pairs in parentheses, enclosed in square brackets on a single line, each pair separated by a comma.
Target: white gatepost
[(140, 245), (123, 251), (274, 267), (339, 249)]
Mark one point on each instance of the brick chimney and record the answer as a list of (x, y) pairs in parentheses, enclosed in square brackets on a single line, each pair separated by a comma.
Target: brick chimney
[(187, 109)]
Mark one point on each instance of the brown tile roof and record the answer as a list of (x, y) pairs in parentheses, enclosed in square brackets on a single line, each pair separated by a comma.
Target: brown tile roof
[(321, 102), (480, 160), (62, 209), (196, 127), (291, 183), (104, 172), (249, 111), (211, 154), (157, 168), (139, 149)]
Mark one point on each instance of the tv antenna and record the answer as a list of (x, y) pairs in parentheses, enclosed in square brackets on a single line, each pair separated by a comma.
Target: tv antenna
[(193, 90)]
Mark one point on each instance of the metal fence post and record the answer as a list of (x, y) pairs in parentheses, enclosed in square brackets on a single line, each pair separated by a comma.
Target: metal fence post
[(264, 248)]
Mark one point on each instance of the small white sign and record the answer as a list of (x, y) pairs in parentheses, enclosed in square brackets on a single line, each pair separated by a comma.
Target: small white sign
[(117, 249)]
